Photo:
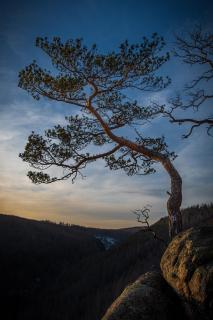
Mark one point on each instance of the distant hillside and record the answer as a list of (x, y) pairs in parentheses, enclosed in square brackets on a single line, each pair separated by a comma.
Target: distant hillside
[(32, 254), (197, 215), (57, 272)]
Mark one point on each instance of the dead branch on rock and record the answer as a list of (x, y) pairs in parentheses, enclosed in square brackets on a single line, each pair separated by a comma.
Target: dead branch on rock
[(143, 217)]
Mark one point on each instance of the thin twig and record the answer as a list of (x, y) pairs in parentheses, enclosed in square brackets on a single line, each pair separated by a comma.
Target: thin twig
[(143, 218)]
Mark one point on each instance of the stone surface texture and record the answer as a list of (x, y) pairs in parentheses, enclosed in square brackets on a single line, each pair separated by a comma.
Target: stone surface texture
[(147, 298), (187, 265)]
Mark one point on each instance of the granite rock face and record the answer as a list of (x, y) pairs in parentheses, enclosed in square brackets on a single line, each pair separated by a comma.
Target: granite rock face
[(147, 298), (187, 266)]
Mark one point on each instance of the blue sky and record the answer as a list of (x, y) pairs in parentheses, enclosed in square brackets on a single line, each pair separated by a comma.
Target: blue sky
[(104, 198)]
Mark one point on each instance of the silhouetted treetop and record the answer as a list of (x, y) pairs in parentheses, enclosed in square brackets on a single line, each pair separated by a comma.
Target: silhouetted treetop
[(132, 66)]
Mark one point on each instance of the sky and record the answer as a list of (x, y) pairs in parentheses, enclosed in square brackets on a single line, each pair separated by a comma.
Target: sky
[(104, 198)]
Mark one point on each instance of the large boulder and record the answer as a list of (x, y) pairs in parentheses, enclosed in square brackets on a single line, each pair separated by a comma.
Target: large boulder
[(187, 265), (149, 298)]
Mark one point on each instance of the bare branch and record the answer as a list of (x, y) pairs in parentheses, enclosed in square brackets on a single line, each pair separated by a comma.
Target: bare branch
[(196, 48), (143, 218)]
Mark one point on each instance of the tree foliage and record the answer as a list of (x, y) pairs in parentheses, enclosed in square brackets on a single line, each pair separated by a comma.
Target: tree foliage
[(100, 85)]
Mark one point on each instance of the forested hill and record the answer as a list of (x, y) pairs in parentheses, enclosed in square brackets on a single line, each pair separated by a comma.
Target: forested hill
[(51, 271)]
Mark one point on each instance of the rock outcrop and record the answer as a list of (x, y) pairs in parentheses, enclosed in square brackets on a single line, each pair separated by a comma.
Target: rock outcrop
[(187, 265), (184, 291), (148, 298)]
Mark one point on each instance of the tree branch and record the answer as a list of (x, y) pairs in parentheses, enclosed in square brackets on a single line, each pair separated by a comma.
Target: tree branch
[(74, 169)]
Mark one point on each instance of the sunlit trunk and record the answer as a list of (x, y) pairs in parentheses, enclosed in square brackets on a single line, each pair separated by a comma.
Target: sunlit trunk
[(175, 200)]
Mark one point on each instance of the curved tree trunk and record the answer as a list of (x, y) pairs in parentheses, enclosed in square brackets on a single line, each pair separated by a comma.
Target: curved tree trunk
[(175, 199)]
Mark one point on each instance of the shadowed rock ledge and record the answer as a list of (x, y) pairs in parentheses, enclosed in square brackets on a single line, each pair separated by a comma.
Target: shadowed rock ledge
[(184, 291), (147, 298)]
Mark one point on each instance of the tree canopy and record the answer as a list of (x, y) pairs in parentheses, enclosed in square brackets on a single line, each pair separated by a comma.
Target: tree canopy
[(100, 85), (84, 76)]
